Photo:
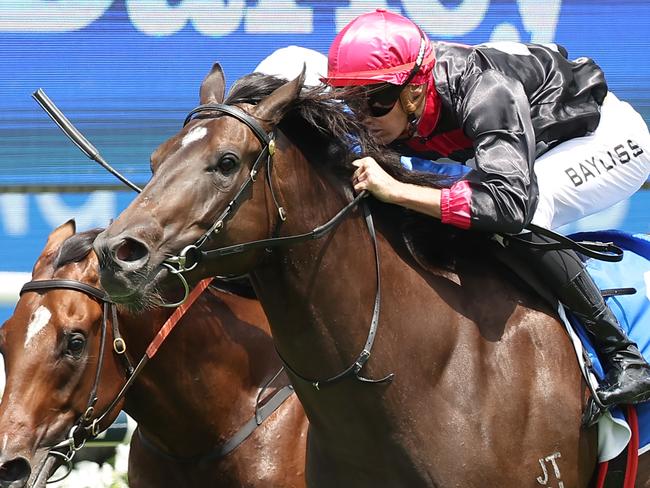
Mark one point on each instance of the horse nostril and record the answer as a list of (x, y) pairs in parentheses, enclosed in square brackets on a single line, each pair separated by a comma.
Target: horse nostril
[(131, 250), (17, 469)]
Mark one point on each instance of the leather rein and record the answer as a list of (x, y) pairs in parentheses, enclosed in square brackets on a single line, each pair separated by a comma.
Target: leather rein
[(190, 256), (88, 425)]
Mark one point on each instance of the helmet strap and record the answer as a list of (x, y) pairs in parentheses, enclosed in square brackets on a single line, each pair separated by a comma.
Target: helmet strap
[(412, 120), (410, 107)]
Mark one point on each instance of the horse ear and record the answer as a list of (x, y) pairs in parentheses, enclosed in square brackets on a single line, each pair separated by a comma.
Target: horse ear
[(273, 107), (213, 88), (54, 241), (60, 234)]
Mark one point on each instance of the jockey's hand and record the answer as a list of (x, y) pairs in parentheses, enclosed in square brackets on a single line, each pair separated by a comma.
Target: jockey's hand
[(372, 177)]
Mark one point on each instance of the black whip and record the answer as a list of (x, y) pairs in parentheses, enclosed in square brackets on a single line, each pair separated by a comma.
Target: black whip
[(77, 137)]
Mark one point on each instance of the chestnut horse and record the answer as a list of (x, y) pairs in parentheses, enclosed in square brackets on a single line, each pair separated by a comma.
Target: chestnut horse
[(486, 390), (192, 401)]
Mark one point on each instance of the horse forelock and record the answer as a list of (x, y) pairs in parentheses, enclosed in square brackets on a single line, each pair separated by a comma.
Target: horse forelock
[(75, 248)]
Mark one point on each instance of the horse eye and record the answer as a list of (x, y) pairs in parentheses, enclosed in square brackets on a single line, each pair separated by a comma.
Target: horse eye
[(227, 163), (76, 345)]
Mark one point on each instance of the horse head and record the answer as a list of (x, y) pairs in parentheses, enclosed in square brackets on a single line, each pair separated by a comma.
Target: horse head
[(212, 161), (51, 346)]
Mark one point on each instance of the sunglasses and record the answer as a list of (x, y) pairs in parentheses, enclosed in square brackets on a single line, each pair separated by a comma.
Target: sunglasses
[(380, 99)]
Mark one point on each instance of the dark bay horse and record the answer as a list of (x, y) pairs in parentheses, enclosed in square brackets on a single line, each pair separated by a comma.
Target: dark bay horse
[(193, 397), (486, 390)]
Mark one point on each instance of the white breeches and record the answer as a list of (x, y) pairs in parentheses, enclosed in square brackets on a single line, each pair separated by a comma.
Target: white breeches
[(588, 174)]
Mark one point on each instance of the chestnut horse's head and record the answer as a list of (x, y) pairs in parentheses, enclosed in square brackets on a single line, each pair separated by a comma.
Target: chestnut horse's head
[(51, 347), (196, 173)]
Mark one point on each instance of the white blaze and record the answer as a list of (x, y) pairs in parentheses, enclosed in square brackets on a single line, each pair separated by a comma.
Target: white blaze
[(40, 319), (194, 135)]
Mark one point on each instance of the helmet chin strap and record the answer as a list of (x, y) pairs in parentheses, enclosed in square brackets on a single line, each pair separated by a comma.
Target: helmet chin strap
[(412, 120)]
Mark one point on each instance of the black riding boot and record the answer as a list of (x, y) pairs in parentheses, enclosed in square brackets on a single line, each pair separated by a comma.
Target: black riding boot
[(627, 373)]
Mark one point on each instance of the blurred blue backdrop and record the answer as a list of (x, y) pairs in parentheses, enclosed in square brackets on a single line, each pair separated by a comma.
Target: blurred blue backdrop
[(127, 71)]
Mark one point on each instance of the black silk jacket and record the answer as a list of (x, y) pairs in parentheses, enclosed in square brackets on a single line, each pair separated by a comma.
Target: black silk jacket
[(503, 104)]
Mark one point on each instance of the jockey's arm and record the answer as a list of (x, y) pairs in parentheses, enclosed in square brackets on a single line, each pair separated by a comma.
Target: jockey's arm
[(495, 114), (501, 193)]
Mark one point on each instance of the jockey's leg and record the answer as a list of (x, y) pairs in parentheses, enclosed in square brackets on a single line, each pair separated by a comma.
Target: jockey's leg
[(577, 178), (628, 374)]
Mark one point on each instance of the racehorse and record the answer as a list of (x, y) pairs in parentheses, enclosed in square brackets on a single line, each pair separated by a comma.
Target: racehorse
[(416, 365), (196, 403)]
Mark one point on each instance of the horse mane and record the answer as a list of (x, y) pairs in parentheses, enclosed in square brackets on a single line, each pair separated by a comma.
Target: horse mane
[(76, 247), (326, 131)]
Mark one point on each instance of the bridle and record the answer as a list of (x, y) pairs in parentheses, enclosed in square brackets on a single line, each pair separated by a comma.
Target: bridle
[(88, 425), (180, 264), (177, 265)]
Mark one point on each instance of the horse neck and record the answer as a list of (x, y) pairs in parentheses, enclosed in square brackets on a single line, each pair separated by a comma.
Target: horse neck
[(314, 308), (205, 376)]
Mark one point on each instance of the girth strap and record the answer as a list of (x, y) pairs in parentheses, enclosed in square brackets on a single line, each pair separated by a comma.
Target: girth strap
[(261, 414), (617, 292), (249, 427)]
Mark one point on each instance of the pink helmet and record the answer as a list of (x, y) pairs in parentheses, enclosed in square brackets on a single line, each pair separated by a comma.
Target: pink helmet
[(378, 47)]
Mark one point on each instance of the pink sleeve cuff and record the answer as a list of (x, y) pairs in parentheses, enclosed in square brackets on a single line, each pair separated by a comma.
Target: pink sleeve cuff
[(455, 205)]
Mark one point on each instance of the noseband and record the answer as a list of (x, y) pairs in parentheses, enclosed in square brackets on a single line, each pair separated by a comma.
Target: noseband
[(177, 265)]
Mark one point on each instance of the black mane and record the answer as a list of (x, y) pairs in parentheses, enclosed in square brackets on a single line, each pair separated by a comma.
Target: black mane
[(325, 131), (76, 247)]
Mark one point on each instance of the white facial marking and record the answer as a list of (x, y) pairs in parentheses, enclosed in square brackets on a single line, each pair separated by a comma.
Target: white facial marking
[(41, 319), (194, 135)]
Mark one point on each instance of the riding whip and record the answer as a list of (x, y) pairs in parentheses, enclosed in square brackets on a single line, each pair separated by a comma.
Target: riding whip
[(77, 137)]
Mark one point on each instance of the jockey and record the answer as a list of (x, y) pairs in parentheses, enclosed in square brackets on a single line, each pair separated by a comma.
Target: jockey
[(550, 145)]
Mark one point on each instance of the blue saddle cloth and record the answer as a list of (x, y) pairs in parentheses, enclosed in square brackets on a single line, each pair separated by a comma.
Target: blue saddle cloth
[(632, 311), (454, 171)]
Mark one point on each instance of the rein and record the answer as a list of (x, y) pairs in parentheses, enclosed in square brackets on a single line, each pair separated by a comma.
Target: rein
[(602, 251), (179, 264), (86, 427)]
